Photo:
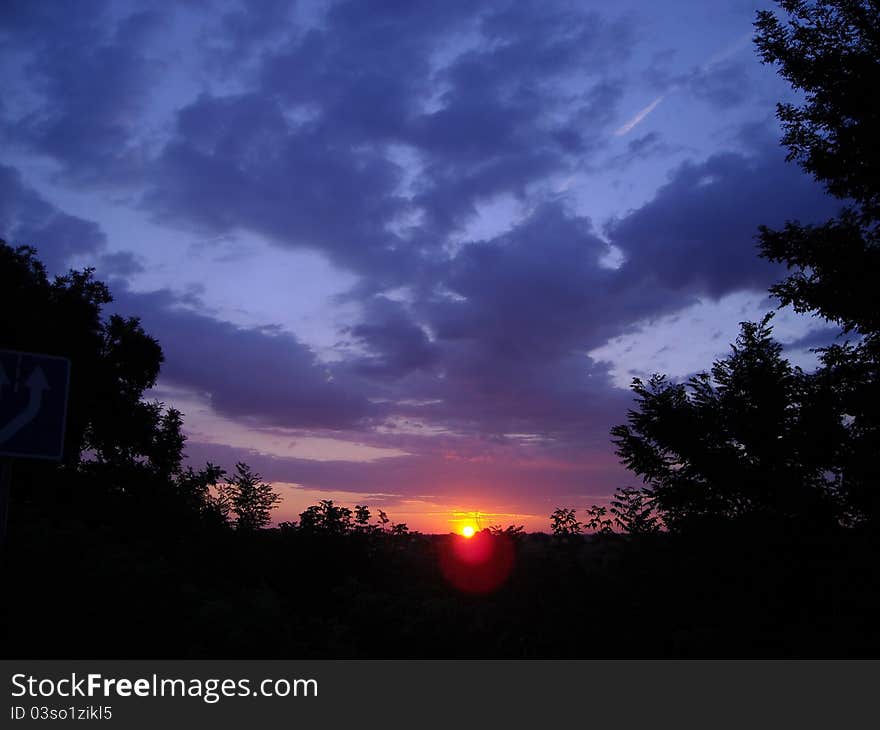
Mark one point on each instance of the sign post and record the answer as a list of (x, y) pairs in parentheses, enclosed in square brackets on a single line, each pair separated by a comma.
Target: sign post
[(33, 412)]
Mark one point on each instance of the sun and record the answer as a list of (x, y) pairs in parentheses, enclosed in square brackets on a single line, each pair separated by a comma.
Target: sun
[(468, 531)]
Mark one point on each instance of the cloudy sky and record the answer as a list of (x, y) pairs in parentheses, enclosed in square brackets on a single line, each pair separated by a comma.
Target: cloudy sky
[(409, 253)]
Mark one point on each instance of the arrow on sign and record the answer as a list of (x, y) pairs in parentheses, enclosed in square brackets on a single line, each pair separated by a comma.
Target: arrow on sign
[(36, 383)]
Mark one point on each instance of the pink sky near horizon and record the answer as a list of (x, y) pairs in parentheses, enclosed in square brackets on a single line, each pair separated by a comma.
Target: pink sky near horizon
[(421, 515)]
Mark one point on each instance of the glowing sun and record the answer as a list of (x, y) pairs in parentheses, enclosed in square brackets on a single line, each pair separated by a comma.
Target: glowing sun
[(468, 531)]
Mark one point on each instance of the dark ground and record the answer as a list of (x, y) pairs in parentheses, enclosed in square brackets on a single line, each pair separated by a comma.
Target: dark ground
[(96, 579)]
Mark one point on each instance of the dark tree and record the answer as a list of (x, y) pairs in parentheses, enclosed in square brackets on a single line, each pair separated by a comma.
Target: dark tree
[(362, 516), (756, 438), (399, 528), (203, 493), (114, 362), (250, 500), (830, 51), (511, 531), (635, 511), (632, 511), (326, 518), (115, 439), (564, 522), (118, 444), (598, 520)]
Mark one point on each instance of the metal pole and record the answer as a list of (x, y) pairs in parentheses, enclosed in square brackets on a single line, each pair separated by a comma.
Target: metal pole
[(5, 481)]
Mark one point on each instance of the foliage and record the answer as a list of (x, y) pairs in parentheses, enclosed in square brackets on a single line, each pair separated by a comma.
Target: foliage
[(113, 359), (117, 442), (362, 518), (149, 538), (203, 493), (511, 531), (830, 51), (250, 500), (755, 437), (327, 518), (598, 520), (635, 511), (848, 387), (399, 528), (564, 522), (632, 511)]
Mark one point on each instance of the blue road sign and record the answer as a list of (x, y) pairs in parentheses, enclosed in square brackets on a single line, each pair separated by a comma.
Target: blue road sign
[(33, 404)]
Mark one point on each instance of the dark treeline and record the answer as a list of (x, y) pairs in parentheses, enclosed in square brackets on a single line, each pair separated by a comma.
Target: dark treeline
[(123, 551), (754, 531)]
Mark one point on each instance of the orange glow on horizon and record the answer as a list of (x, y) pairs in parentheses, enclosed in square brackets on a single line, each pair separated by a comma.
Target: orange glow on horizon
[(428, 515)]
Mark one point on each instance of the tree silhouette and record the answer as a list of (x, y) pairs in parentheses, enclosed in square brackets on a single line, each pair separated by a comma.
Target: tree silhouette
[(250, 499), (114, 362), (326, 518), (203, 492), (755, 437), (362, 518), (598, 520), (399, 528), (564, 522), (830, 51), (632, 511), (515, 532), (118, 444)]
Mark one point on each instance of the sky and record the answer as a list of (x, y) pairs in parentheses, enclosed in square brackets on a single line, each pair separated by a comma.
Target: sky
[(409, 254)]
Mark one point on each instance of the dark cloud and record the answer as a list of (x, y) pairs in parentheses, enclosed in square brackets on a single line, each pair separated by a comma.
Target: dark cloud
[(396, 344), (246, 373), (307, 157), (26, 218), (374, 136), (236, 162), (493, 340), (91, 75), (234, 34), (120, 264), (821, 336), (302, 156), (486, 102), (641, 148), (498, 344), (491, 473), (526, 291), (724, 85), (698, 232), (30, 21)]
